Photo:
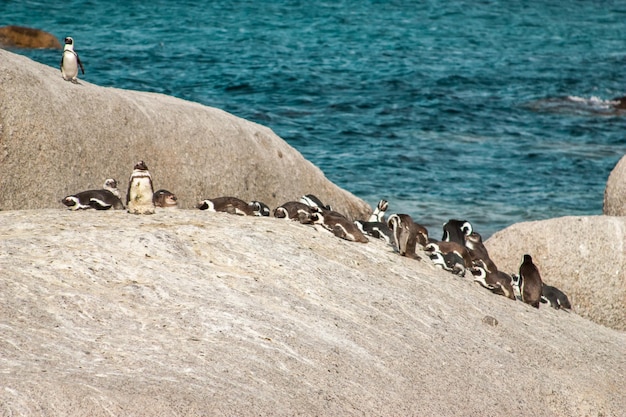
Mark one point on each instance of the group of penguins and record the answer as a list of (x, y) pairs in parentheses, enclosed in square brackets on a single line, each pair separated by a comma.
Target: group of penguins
[(461, 249)]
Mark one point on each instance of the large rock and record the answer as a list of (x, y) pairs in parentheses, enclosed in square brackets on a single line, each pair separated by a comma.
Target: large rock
[(583, 256), (58, 138), (615, 191), (25, 37), (194, 313)]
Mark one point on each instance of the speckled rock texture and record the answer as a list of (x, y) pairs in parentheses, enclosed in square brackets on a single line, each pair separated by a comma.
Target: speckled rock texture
[(59, 138), (191, 313), (615, 191), (583, 256), (25, 37)]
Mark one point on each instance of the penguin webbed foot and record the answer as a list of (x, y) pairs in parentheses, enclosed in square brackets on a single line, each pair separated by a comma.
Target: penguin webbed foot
[(412, 256)]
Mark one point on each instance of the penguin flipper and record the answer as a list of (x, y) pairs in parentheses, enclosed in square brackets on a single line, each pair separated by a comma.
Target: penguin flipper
[(99, 204), (80, 64)]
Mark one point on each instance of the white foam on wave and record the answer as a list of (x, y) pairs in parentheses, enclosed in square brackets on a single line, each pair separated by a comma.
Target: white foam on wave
[(593, 101)]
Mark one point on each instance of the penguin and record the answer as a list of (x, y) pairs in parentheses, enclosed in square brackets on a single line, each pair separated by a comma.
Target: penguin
[(456, 257), (376, 226), (312, 201), (378, 215), (554, 297), (531, 284), (110, 184), (407, 234), (164, 199), (506, 284), (456, 230), (480, 276), (450, 261), (515, 282), (140, 191), (93, 199), (70, 62), (260, 209), (449, 265), (378, 230), (338, 224), (294, 210), (478, 251), (232, 205), (499, 282)]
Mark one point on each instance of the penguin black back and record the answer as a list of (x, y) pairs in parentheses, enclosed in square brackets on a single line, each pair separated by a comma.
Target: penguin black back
[(455, 231), (294, 210), (555, 297), (531, 284), (95, 199)]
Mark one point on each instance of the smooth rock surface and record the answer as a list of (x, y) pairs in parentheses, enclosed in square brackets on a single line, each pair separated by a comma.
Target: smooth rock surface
[(189, 313), (583, 256), (59, 138), (615, 191), (24, 37)]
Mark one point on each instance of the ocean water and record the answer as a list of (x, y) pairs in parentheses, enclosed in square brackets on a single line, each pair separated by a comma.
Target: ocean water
[(492, 111)]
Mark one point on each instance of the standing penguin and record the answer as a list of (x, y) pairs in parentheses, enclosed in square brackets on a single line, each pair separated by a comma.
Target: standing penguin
[(530, 282), (407, 234), (70, 62), (140, 191)]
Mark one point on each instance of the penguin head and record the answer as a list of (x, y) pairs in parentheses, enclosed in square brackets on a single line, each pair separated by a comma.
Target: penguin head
[(474, 238), (480, 263), (467, 228), (527, 259), (141, 166), (516, 280), (317, 218), (281, 213), (431, 247), (110, 183), (70, 201), (378, 215), (69, 40), (478, 271), (164, 198), (206, 205), (305, 217), (437, 258)]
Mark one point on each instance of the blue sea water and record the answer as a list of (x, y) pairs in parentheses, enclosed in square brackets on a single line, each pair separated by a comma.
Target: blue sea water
[(495, 111)]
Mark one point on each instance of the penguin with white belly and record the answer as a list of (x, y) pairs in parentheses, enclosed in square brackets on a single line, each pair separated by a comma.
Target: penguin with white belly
[(139, 198), (70, 62)]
